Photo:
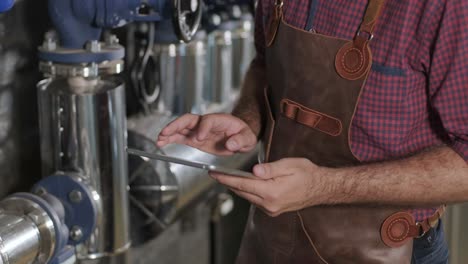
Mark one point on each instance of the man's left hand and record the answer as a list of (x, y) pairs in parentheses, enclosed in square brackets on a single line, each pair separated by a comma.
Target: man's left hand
[(286, 185)]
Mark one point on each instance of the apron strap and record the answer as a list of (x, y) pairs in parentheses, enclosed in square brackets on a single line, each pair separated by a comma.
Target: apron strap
[(354, 59), (312, 12), (373, 11), (274, 22)]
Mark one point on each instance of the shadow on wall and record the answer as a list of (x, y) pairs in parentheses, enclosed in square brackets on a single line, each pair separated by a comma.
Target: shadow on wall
[(21, 31)]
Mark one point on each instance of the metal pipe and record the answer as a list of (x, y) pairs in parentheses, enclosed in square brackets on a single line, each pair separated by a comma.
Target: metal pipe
[(83, 131), (20, 242), (27, 232)]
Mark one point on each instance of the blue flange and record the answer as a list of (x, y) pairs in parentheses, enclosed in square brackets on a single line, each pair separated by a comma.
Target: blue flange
[(6, 5), (80, 212), (65, 255), (72, 56)]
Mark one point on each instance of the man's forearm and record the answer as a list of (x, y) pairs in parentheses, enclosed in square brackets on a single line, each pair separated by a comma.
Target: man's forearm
[(431, 178), (250, 106)]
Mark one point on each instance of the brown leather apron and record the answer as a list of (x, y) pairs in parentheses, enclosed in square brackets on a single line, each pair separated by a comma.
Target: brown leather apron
[(314, 86)]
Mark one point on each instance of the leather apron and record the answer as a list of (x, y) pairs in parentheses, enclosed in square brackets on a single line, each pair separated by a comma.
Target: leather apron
[(314, 84)]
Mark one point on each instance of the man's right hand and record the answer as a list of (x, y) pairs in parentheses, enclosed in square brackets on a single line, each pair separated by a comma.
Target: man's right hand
[(219, 134)]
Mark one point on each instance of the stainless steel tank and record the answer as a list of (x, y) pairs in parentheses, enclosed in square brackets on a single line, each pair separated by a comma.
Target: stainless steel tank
[(181, 73), (219, 88), (83, 131), (243, 49)]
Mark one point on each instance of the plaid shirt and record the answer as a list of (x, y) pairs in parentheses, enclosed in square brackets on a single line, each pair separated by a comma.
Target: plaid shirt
[(416, 95)]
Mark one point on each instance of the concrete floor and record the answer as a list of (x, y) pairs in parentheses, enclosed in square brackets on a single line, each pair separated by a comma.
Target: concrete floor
[(186, 241)]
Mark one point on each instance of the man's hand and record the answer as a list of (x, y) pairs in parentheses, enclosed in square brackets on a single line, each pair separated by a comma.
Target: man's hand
[(286, 185), (219, 134)]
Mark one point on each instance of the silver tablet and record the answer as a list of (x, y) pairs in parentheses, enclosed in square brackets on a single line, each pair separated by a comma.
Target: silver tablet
[(195, 164)]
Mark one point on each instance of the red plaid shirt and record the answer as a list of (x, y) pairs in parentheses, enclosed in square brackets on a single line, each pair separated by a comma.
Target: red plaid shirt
[(416, 95)]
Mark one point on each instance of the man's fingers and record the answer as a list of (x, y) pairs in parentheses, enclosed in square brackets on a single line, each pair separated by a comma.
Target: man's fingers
[(252, 186), (186, 131), (244, 141), (282, 167), (178, 130), (181, 124), (209, 133), (204, 127), (177, 138), (249, 197)]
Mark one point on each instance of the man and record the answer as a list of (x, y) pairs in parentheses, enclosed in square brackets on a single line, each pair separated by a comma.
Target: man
[(363, 110)]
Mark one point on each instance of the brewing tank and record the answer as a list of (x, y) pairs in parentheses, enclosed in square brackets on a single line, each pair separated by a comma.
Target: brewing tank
[(181, 70)]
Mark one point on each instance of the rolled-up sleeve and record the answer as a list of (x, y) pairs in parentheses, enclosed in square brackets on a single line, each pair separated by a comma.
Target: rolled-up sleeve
[(448, 74)]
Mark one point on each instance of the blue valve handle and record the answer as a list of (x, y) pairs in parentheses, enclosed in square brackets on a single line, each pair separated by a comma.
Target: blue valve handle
[(6, 5), (80, 21)]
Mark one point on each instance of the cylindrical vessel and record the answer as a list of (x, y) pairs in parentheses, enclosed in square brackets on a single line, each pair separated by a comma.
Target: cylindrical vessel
[(83, 131), (154, 192), (27, 233), (181, 74), (219, 80), (243, 49)]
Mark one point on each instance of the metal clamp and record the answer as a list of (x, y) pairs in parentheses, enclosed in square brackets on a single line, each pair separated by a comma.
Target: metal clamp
[(370, 36), (51, 69)]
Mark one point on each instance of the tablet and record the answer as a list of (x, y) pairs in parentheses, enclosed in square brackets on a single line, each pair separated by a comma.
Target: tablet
[(195, 164)]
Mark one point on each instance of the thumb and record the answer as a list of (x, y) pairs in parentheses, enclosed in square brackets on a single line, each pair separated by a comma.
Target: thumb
[(274, 169), (243, 141)]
